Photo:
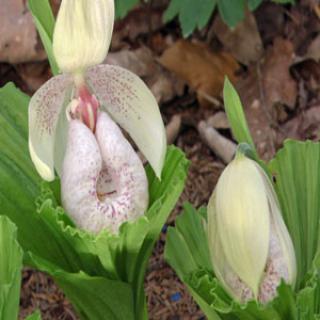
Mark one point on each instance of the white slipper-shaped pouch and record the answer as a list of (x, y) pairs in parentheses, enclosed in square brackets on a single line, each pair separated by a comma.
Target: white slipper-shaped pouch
[(103, 180)]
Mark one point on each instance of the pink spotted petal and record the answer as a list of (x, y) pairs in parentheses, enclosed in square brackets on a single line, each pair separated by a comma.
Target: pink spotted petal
[(47, 124), (131, 104), (103, 181)]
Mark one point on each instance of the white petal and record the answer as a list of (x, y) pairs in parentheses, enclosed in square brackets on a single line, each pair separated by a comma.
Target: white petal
[(228, 278), (281, 233), (131, 104), (86, 157), (46, 110), (82, 33), (243, 220), (276, 269)]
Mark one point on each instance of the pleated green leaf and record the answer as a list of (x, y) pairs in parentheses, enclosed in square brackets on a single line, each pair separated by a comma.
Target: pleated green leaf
[(254, 4), (94, 297), (35, 316), (10, 270), (297, 172), (193, 251)]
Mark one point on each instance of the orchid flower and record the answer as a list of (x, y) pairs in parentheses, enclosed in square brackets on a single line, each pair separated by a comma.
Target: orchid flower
[(73, 123), (250, 246)]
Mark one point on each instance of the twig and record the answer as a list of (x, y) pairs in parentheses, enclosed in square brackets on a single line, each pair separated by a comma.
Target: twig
[(209, 98), (221, 146), (173, 129)]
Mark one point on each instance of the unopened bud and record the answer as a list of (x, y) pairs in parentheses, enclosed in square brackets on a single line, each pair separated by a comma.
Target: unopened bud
[(82, 33), (250, 246)]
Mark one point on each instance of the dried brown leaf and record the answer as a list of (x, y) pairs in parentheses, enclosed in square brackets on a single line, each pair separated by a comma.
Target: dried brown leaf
[(163, 85), (203, 69), (304, 126), (18, 41), (265, 91), (243, 41), (278, 84)]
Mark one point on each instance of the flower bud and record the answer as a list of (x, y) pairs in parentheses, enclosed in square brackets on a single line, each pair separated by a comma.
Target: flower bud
[(250, 247), (82, 33)]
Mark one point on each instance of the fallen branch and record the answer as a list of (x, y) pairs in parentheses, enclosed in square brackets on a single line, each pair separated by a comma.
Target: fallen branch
[(221, 146), (173, 129)]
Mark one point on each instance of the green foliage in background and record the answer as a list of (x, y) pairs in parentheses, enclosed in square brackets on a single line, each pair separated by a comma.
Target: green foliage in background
[(124, 6), (34, 316), (297, 173), (195, 14)]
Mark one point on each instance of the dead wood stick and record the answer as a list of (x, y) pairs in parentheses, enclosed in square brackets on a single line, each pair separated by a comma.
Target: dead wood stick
[(173, 129), (221, 146)]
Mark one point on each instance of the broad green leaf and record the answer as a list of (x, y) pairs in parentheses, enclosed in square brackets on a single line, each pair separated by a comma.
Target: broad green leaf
[(94, 297), (284, 1), (235, 114), (10, 269), (119, 254), (254, 4), (214, 298), (308, 299), (231, 11), (97, 298), (297, 173), (181, 252), (123, 7), (44, 21), (19, 182), (177, 253), (186, 11), (35, 316), (187, 245)]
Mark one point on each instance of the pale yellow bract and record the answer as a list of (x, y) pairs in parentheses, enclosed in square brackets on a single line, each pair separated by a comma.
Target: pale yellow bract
[(82, 33), (243, 212)]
